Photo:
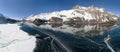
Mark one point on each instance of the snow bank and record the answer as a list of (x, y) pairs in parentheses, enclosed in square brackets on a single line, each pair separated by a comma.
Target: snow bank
[(12, 39)]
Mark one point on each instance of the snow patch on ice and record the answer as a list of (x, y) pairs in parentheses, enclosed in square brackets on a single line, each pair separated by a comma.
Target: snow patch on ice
[(12, 39)]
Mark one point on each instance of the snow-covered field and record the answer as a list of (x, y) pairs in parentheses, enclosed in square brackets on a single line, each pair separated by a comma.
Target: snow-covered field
[(12, 39)]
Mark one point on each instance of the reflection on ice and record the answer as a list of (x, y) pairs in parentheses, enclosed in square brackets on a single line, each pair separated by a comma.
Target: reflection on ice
[(89, 38), (78, 29), (58, 38)]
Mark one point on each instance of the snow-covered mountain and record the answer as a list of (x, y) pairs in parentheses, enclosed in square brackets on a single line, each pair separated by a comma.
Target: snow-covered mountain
[(77, 14)]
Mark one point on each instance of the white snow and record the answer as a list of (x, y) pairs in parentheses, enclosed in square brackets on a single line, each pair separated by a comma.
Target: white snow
[(12, 39), (67, 13), (102, 9), (88, 16)]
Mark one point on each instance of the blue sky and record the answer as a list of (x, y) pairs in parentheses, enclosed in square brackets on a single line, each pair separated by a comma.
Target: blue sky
[(24, 8)]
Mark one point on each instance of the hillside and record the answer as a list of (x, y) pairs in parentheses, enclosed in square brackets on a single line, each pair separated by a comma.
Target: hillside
[(2, 19)]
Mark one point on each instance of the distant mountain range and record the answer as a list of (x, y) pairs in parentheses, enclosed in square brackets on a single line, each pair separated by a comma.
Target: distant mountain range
[(4, 20), (78, 14)]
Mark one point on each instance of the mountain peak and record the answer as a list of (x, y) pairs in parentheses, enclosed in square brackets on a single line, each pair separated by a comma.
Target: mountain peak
[(79, 7), (90, 8)]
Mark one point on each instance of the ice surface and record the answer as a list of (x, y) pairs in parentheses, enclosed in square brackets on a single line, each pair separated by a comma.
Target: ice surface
[(12, 39)]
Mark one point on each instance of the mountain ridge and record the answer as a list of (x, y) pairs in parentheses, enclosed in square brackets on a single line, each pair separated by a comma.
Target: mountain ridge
[(4, 19), (78, 13)]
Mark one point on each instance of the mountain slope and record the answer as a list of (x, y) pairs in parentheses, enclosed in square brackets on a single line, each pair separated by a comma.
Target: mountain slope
[(77, 14), (2, 19)]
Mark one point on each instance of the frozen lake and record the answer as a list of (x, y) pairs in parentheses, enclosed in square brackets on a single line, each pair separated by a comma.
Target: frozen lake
[(59, 38)]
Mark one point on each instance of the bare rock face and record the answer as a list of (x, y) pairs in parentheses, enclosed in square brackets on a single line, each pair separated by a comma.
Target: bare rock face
[(55, 20), (62, 15), (39, 21)]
